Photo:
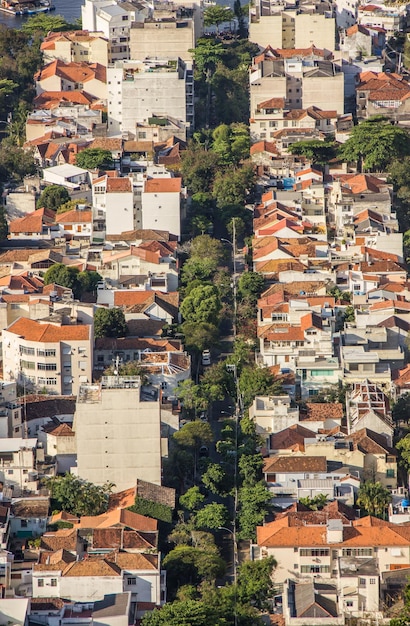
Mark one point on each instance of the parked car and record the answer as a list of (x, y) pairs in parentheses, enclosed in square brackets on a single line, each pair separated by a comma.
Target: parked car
[(206, 358), (203, 451)]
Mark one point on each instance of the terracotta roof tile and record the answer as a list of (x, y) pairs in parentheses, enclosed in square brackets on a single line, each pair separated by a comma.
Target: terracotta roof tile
[(31, 330), (293, 463), (163, 185), (292, 438), (74, 217), (317, 411)]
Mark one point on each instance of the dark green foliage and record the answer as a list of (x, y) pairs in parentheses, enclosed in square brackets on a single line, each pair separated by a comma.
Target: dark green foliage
[(255, 585), (319, 152), (401, 409), (258, 381), (109, 323), (53, 197), (250, 286), (94, 158), (77, 496), (43, 23), (155, 510), (72, 278)]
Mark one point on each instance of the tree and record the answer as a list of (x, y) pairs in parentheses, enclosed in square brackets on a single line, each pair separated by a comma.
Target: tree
[(255, 584), (71, 205), (374, 144), (191, 396), (204, 245), (403, 447), (257, 381), (94, 158), (233, 187), (194, 435), (109, 323), (212, 516), (254, 505), (231, 143), (374, 498), (184, 613), (192, 499), (53, 197), (401, 409), (250, 468), (199, 168), (202, 305), (250, 286), (88, 281), (318, 152), (317, 503), (78, 496), (15, 163), (63, 275), (217, 480), (43, 23), (200, 336), (189, 565), (217, 15)]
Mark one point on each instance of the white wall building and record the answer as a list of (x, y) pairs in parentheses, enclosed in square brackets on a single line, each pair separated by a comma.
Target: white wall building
[(139, 91)]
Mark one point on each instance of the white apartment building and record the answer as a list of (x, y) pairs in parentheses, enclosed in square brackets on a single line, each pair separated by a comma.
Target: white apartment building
[(10, 411), (143, 91), (118, 433), (114, 20), (114, 205), (54, 356), (76, 46), (162, 205)]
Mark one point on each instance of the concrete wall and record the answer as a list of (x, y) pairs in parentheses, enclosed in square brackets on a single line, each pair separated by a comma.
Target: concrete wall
[(162, 40)]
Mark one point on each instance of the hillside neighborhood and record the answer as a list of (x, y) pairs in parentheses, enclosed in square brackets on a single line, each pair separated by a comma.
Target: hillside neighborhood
[(205, 315)]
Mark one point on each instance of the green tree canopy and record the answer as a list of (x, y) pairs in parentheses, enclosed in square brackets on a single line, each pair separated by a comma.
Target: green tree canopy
[(374, 498), (199, 168), (109, 323), (194, 435), (43, 23), (189, 565), (317, 503), (255, 583), (200, 336), (401, 409), (202, 305), (212, 516), (250, 286), (318, 152), (257, 381), (192, 499), (77, 496), (375, 143), (233, 187), (254, 505), (215, 15), (94, 158), (231, 143), (60, 274), (53, 197)]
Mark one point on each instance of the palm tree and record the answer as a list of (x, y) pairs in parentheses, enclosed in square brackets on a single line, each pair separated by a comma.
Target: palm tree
[(374, 498)]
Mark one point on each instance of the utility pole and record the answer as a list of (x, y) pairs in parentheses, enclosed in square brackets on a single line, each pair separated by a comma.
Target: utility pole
[(235, 303)]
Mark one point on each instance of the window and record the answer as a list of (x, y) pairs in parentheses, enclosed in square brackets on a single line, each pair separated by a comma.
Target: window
[(372, 581), (41, 582), (50, 367), (47, 381), (315, 569), (390, 473), (295, 566), (349, 602), (314, 552), (54, 582), (46, 352), (131, 581), (10, 472), (25, 350), (362, 582), (23, 523), (357, 552), (295, 549), (27, 365)]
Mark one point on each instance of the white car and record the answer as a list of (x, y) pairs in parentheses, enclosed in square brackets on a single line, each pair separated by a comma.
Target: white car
[(206, 358)]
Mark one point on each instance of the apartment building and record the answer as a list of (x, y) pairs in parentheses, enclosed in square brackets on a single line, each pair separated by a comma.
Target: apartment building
[(382, 94), (50, 355), (271, 116), (118, 432), (140, 91), (18, 471), (75, 46), (171, 37), (302, 79), (270, 25)]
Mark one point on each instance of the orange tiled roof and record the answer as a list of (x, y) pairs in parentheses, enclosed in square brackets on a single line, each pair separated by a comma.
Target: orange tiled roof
[(74, 217), (163, 185), (72, 72), (119, 185), (31, 330), (32, 222)]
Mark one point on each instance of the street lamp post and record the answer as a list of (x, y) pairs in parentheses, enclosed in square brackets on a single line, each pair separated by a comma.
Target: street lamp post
[(235, 303)]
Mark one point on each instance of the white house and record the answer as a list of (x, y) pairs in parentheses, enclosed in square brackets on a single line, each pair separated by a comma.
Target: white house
[(67, 175)]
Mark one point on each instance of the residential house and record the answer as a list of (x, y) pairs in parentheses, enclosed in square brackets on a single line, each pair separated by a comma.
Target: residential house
[(10, 411), (18, 464), (382, 94), (273, 413), (61, 76), (77, 223), (69, 176), (29, 516), (162, 204), (304, 600), (59, 444), (76, 46), (113, 610), (37, 225), (391, 19), (369, 407), (48, 355), (137, 267)]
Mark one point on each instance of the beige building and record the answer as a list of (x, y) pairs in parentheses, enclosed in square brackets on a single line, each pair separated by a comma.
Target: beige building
[(290, 29), (48, 355), (60, 76), (303, 80), (118, 432), (76, 46), (162, 39)]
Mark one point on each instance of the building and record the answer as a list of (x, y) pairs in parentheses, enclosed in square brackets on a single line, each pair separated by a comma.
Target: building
[(118, 432), (48, 355), (67, 175), (10, 411), (382, 94), (140, 91), (162, 204), (77, 46), (304, 78), (18, 464), (171, 37), (60, 76), (270, 25)]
